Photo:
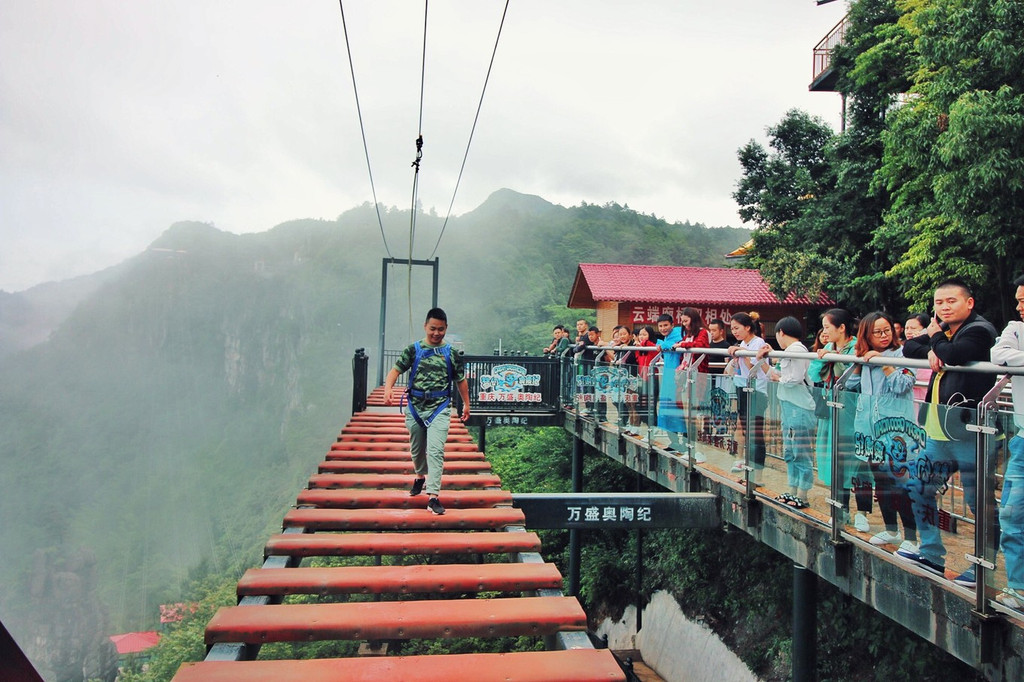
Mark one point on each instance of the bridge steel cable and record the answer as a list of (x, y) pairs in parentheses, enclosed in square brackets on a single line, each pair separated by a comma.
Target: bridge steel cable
[(362, 128), (416, 164), (479, 106)]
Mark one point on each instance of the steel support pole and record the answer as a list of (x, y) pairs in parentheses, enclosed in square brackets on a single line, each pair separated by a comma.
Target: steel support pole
[(383, 318), (436, 265), (574, 534), (805, 626), (639, 578), (639, 569)]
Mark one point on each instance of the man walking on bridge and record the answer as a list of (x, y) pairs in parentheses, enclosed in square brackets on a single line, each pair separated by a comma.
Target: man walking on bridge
[(434, 369)]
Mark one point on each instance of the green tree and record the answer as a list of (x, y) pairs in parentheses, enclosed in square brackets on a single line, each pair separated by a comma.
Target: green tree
[(777, 190), (954, 154), (814, 197)]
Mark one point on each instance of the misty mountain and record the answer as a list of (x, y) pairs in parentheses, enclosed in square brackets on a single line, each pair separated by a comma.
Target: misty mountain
[(176, 403), (27, 317)]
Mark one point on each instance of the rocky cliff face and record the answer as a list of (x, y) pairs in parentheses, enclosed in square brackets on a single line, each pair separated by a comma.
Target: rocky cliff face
[(68, 638)]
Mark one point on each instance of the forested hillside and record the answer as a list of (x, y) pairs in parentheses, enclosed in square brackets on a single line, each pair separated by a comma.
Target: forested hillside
[(168, 421)]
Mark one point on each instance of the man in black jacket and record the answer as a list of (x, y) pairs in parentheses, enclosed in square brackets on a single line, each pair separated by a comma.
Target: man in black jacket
[(956, 336)]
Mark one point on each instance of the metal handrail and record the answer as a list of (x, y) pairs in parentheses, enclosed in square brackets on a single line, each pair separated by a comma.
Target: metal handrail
[(823, 50)]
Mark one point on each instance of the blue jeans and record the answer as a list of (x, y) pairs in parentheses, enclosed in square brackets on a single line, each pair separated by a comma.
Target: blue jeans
[(940, 460), (798, 445), (1011, 514)]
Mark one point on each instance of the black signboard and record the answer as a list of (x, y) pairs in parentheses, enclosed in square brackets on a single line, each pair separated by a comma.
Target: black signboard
[(619, 510), (512, 390)]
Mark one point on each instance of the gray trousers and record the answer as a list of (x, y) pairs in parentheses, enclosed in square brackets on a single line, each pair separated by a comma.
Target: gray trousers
[(427, 448)]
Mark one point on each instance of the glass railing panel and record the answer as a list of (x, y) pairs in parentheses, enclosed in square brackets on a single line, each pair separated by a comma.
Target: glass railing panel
[(928, 455), (642, 398), (715, 422), (876, 462), (752, 409), (617, 385), (585, 400), (669, 426), (1006, 583), (790, 429)]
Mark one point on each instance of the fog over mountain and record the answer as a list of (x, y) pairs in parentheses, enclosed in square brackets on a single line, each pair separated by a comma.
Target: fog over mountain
[(159, 417)]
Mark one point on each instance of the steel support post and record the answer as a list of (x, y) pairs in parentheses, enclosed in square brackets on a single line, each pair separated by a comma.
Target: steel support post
[(383, 318), (574, 534), (805, 626)]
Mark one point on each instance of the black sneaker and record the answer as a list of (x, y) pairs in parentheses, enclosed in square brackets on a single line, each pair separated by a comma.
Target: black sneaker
[(417, 487), (435, 506), (912, 557)]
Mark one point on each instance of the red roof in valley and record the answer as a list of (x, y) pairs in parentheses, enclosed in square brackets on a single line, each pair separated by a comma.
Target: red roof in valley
[(134, 642), (675, 284)]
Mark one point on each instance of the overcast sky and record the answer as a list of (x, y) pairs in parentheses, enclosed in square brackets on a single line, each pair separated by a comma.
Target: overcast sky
[(120, 118)]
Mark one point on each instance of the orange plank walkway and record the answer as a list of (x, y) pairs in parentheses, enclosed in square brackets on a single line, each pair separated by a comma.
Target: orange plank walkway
[(421, 578), (578, 665), (358, 505)]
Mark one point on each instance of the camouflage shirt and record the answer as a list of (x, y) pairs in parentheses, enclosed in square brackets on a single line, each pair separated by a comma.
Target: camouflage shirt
[(431, 375)]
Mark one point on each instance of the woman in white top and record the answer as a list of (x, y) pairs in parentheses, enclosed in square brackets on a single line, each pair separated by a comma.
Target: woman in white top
[(749, 371), (797, 408)]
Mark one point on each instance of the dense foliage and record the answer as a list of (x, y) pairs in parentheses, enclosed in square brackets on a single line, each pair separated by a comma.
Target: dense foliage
[(925, 182)]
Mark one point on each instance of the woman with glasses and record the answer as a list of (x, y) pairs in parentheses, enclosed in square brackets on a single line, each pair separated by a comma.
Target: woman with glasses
[(885, 432)]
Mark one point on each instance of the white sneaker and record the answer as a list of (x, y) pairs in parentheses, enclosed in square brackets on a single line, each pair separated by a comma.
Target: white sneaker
[(860, 522), (908, 547), (699, 458), (737, 467), (1011, 598), (885, 538)]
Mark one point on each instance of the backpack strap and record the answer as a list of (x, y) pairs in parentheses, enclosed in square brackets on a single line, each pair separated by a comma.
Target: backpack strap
[(446, 392)]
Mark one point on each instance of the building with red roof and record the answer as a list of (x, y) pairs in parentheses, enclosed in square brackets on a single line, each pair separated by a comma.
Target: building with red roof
[(133, 647), (635, 295)]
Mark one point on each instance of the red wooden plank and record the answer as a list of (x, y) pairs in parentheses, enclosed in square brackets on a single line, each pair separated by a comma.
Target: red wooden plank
[(575, 665), (403, 447), (373, 544), (389, 432), (356, 426), (440, 579), (429, 619), (404, 519), (400, 455), (378, 438), (400, 481), (359, 429), (398, 467), (361, 498)]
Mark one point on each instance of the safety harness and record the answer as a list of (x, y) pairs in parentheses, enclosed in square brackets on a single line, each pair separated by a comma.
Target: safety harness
[(446, 393)]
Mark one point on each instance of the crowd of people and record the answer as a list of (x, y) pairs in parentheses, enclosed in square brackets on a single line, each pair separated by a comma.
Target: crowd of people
[(901, 433)]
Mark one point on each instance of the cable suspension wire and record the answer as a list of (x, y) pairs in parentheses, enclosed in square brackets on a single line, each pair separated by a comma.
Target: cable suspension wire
[(362, 128), (472, 130), (416, 163)]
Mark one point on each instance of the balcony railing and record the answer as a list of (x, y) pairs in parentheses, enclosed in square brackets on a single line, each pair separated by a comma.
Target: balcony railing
[(823, 53)]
